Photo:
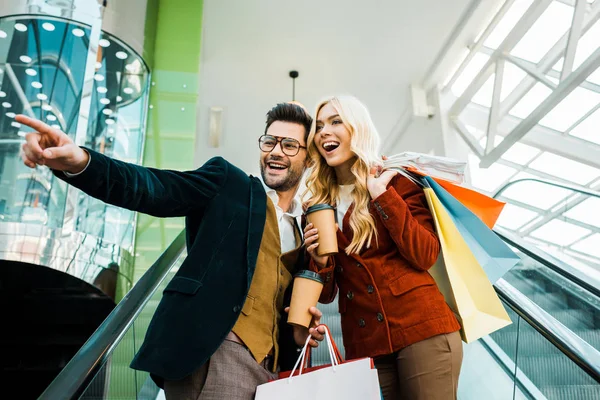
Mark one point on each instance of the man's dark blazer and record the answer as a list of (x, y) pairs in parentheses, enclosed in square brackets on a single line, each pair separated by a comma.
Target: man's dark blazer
[(225, 212)]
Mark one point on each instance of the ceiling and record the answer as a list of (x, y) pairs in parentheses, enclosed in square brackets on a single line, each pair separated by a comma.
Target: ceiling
[(373, 50)]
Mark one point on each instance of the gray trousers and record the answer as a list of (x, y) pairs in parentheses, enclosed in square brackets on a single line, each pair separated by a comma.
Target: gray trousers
[(231, 374)]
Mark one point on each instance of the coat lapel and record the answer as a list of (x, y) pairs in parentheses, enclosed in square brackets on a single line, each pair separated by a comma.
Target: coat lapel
[(257, 215)]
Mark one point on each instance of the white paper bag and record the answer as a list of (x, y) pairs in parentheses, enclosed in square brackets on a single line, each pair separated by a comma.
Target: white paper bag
[(351, 380)]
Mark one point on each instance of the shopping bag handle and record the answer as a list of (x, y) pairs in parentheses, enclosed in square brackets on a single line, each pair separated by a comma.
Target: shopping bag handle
[(304, 357)]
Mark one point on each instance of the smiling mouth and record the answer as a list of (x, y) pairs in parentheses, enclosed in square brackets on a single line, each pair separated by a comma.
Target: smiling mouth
[(276, 166), (330, 146)]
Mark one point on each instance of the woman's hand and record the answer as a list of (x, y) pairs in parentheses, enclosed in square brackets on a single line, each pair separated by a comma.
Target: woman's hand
[(378, 180), (311, 235)]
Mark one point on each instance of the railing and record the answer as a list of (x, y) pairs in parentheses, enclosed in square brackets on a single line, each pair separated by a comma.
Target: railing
[(83, 367)]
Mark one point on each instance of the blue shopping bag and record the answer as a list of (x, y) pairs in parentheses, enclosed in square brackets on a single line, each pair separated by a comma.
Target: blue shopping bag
[(495, 257)]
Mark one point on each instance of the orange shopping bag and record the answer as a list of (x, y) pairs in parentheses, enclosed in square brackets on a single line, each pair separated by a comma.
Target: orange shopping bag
[(486, 208)]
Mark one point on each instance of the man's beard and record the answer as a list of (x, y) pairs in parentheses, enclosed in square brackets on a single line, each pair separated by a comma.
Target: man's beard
[(284, 183)]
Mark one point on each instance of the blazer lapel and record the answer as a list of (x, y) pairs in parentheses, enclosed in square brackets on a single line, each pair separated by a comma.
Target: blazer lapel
[(257, 215)]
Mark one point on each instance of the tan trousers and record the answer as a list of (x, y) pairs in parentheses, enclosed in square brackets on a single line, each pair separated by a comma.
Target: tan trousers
[(231, 374), (426, 370)]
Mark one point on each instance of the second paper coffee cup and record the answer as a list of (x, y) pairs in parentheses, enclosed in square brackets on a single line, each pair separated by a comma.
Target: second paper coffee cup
[(322, 216), (307, 289)]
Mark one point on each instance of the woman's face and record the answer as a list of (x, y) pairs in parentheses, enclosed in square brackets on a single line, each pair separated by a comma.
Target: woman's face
[(332, 138)]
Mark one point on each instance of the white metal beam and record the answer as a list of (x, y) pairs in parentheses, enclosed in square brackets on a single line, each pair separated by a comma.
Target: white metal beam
[(563, 89), (527, 20), (540, 137), (466, 135), (574, 35), (548, 61), (479, 44), (493, 120), (530, 69)]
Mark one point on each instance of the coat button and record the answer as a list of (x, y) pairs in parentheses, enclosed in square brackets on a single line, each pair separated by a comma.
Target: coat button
[(361, 323), (328, 277), (340, 269), (237, 309), (379, 317), (358, 265), (350, 295), (370, 289)]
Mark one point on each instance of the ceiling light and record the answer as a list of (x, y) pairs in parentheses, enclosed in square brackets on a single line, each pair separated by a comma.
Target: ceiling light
[(20, 27), (109, 121), (130, 67), (56, 126), (47, 107), (104, 43), (78, 32), (15, 124), (98, 65), (31, 72), (51, 117), (11, 114), (2, 34), (121, 55), (48, 26), (42, 96), (119, 98), (22, 134), (25, 59), (128, 90), (105, 101), (6, 105), (99, 77), (111, 130), (2, 94), (101, 89), (37, 85), (107, 111)]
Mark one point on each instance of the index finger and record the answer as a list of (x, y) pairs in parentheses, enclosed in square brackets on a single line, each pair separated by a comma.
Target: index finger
[(36, 124)]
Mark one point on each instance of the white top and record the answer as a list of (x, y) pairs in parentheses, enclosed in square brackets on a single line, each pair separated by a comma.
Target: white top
[(285, 220), (344, 202)]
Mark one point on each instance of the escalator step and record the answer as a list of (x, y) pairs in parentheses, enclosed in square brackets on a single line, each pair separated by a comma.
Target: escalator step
[(574, 392), (557, 370)]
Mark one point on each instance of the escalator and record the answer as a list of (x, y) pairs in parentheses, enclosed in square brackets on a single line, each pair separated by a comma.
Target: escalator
[(550, 351)]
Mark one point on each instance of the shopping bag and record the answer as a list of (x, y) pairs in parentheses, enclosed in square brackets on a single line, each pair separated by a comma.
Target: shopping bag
[(436, 166), (348, 380), (493, 253), (462, 280)]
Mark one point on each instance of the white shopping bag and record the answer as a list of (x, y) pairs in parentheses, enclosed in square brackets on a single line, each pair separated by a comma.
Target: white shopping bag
[(350, 380)]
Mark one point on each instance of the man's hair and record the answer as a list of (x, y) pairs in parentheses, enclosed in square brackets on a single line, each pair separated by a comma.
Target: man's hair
[(288, 112)]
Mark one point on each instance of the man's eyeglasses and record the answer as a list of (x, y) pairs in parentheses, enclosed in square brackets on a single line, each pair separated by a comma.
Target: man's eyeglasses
[(289, 146)]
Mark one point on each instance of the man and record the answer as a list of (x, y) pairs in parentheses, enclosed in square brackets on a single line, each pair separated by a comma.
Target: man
[(214, 334)]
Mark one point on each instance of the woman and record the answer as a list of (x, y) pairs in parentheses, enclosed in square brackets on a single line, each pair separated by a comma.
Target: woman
[(390, 306)]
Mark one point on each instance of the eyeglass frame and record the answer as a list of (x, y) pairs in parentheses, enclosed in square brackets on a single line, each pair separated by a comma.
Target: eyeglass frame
[(279, 141)]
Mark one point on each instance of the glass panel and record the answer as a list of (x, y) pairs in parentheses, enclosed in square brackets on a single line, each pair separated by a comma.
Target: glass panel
[(573, 107), (545, 32), (589, 245), (560, 232), (586, 211), (507, 23), (565, 168), (588, 129), (488, 179), (521, 153), (484, 94), (536, 194), (513, 75), (587, 44), (470, 71), (513, 217), (595, 77), (116, 380), (531, 100)]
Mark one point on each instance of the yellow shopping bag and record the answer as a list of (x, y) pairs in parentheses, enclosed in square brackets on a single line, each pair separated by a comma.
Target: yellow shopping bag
[(462, 280)]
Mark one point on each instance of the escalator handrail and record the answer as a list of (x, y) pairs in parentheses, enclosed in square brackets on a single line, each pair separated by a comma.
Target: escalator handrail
[(588, 283), (568, 186), (558, 266), (75, 377), (574, 347)]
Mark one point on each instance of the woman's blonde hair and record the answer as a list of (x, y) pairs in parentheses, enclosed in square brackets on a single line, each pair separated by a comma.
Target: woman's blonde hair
[(322, 185)]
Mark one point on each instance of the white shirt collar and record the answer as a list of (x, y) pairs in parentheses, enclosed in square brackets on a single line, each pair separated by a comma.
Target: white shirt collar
[(295, 208)]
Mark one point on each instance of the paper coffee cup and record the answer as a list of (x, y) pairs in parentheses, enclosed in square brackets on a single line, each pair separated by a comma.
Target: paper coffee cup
[(307, 289), (322, 216)]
